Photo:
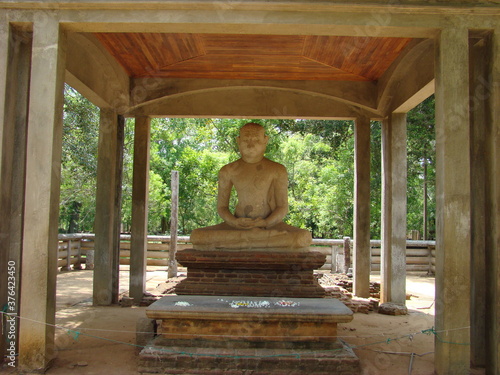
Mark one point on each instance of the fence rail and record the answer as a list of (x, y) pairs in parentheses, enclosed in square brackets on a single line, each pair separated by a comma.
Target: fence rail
[(77, 249)]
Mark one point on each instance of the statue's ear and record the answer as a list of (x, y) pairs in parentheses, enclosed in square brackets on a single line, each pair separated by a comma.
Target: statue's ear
[(238, 140), (266, 139)]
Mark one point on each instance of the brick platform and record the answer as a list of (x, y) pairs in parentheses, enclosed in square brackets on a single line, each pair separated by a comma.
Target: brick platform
[(277, 273), (238, 335), (212, 361)]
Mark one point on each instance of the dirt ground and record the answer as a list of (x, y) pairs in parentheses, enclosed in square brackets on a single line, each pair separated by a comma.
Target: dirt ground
[(103, 340)]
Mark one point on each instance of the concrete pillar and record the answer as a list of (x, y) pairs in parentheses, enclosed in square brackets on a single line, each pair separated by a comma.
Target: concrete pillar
[(43, 175), (478, 132), (493, 197), (4, 247), (106, 269), (362, 207), (140, 189), (453, 222), (13, 161), (120, 140), (393, 253), (4, 60)]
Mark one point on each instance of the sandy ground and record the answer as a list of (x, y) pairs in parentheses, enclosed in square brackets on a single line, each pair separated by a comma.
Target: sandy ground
[(103, 340)]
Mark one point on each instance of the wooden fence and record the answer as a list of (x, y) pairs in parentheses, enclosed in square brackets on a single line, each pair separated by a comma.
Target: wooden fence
[(76, 249)]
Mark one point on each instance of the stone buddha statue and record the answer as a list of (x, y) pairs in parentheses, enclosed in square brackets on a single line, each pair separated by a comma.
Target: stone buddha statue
[(262, 191)]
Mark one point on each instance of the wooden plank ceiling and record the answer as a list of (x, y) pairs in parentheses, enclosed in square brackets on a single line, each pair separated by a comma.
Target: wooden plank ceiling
[(274, 57)]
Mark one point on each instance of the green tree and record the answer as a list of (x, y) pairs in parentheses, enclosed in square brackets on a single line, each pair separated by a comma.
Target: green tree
[(320, 187), (319, 156), (79, 162), (421, 168), (192, 147), (375, 179)]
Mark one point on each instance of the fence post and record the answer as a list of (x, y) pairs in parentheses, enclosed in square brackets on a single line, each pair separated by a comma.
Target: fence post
[(66, 267), (333, 265), (429, 271), (89, 258), (172, 263), (78, 264), (347, 254)]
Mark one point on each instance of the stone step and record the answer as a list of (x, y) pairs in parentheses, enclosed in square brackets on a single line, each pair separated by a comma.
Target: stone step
[(189, 360)]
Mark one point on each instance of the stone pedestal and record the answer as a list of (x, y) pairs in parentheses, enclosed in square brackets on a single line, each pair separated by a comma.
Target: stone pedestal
[(274, 273), (221, 334)]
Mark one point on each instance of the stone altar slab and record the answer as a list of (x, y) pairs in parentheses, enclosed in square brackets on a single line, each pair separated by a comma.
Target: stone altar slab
[(249, 318), (231, 334)]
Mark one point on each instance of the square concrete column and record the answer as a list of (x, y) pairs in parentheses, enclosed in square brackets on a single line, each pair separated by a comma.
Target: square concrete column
[(362, 207), (393, 253), (13, 161), (479, 80), (453, 211), (493, 213), (43, 178), (106, 268), (4, 247), (4, 61), (140, 192), (120, 140)]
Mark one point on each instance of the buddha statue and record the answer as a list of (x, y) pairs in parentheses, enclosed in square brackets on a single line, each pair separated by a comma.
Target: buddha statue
[(261, 186)]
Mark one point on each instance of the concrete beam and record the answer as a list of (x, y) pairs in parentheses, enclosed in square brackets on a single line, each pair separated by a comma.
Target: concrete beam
[(43, 173), (361, 283), (251, 102), (147, 90), (140, 193), (92, 71), (393, 252), (256, 17), (453, 223), (412, 5), (409, 80)]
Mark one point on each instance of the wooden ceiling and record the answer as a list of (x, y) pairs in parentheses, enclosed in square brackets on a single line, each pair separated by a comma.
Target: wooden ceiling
[(273, 57)]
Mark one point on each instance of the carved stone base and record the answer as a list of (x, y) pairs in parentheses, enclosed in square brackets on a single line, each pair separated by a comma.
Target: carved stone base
[(241, 335), (260, 273)]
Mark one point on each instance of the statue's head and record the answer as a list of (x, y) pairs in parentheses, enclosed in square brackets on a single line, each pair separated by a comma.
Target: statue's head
[(252, 142)]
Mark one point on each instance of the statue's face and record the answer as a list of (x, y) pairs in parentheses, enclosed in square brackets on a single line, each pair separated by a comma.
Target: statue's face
[(252, 143)]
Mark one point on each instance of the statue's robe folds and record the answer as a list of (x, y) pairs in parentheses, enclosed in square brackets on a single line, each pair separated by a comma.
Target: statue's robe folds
[(223, 236)]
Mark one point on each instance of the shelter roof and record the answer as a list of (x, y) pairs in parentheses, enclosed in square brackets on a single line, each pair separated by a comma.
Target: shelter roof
[(243, 56)]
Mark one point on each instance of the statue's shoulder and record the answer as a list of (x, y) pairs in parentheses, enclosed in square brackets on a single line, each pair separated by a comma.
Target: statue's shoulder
[(228, 168), (274, 165)]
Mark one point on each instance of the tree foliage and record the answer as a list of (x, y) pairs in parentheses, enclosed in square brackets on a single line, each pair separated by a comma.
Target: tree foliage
[(421, 166), (79, 162), (319, 157)]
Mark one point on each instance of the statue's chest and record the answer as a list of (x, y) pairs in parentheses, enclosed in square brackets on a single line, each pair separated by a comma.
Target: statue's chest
[(253, 179)]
